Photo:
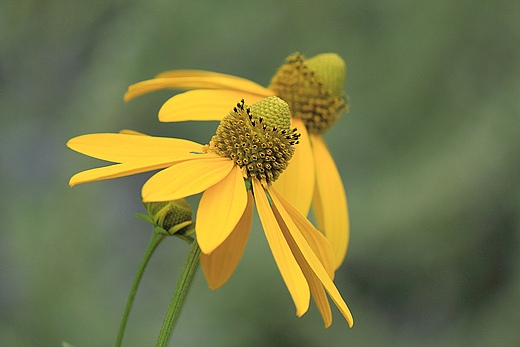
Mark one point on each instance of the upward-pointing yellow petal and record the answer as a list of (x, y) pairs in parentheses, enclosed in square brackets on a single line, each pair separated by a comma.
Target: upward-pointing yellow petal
[(194, 79), (220, 209), (203, 105)]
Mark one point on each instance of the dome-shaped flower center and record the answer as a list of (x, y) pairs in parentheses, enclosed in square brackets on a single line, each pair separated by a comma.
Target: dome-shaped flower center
[(313, 88), (257, 138)]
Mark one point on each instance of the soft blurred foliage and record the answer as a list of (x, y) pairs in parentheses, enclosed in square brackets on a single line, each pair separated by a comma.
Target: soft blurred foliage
[(428, 154)]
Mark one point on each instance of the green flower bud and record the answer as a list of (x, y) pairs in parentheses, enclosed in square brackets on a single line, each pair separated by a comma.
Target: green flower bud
[(168, 217)]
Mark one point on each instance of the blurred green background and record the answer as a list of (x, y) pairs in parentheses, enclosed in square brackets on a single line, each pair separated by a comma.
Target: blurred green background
[(429, 155)]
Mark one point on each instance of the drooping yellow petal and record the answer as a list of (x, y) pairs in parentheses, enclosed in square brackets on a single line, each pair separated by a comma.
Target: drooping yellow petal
[(203, 105), (330, 201), (220, 209), (221, 263), (127, 169), (315, 285), (317, 291), (184, 80), (296, 183), (186, 178), (124, 148), (289, 268), (311, 258), (195, 79), (316, 240)]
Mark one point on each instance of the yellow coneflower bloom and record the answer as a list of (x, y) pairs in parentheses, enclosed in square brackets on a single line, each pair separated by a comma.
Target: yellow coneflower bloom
[(313, 88), (251, 148)]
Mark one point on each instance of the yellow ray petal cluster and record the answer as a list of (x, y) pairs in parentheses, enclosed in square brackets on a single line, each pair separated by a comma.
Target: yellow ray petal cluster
[(303, 255), (312, 176)]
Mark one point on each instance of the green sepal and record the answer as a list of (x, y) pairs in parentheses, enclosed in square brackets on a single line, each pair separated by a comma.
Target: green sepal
[(161, 231), (144, 217), (179, 227)]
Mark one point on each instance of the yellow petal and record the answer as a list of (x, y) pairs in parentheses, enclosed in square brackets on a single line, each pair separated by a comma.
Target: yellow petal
[(330, 201), (203, 105), (124, 148), (183, 81), (127, 169), (186, 178), (221, 263), (220, 209), (316, 240), (195, 79), (289, 268), (131, 132), (315, 285), (296, 183), (311, 258), (317, 291)]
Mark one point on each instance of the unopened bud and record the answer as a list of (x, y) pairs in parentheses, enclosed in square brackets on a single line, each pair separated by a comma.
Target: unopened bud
[(168, 217)]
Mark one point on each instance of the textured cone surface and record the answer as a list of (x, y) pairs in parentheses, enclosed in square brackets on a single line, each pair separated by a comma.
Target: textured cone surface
[(313, 91), (257, 138)]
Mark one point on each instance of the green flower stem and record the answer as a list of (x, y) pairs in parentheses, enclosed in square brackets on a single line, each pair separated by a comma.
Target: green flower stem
[(152, 246), (183, 285)]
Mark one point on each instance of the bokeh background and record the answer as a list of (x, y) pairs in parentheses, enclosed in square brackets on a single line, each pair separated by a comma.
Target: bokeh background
[(429, 155)]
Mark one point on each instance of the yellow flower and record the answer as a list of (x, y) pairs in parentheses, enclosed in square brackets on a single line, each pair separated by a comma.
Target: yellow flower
[(313, 88), (252, 146)]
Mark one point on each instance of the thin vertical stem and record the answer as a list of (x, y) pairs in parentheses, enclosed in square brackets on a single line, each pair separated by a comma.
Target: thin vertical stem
[(179, 296), (152, 246)]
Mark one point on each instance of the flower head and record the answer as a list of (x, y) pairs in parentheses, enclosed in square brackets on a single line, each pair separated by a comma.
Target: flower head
[(235, 171), (313, 88)]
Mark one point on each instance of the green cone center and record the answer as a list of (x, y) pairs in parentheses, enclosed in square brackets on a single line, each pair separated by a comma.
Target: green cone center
[(257, 138), (313, 89)]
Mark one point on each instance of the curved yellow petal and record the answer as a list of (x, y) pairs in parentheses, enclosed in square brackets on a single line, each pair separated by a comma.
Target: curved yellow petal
[(221, 263), (330, 201), (311, 258), (203, 105), (296, 183), (316, 240), (195, 79), (124, 148), (183, 81), (220, 209), (317, 291), (186, 178), (289, 268), (127, 169), (315, 285)]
